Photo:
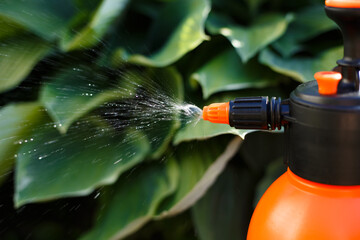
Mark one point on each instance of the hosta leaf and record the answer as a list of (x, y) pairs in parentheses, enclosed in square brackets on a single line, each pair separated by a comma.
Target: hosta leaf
[(9, 27), (94, 30), (301, 68), (91, 154), (224, 211), (247, 41), (16, 120), (226, 72), (200, 164), (48, 19), (307, 24), (75, 91), (135, 200), (178, 28), (18, 55), (203, 130)]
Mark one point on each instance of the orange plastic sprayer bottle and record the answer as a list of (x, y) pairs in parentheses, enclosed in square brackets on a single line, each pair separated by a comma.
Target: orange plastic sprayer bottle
[(318, 198)]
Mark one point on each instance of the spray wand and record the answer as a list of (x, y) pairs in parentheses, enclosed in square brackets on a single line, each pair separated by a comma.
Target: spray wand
[(319, 195)]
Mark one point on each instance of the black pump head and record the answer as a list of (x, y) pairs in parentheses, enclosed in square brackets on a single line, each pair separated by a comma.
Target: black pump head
[(348, 19)]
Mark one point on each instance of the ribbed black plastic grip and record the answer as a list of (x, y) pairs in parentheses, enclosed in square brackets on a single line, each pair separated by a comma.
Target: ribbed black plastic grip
[(256, 113)]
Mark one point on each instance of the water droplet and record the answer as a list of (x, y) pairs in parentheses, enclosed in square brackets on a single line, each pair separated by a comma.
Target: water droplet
[(97, 195), (118, 161)]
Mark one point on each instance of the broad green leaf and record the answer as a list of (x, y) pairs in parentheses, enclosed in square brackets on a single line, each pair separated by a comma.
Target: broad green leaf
[(135, 200), (226, 72), (203, 130), (248, 41), (18, 56), (224, 211), (91, 34), (178, 29), (75, 91), (308, 23), (200, 163), (16, 120), (301, 68), (90, 155), (48, 19), (9, 27)]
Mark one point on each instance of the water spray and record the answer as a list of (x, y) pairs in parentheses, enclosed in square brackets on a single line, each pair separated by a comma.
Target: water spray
[(319, 195)]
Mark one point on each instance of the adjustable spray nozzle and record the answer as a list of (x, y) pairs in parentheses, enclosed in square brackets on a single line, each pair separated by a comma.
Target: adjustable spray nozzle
[(217, 113), (249, 113)]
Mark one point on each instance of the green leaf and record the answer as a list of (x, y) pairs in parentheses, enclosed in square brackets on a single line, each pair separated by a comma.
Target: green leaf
[(18, 56), (91, 34), (90, 155), (48, 19), (224, 211), (200, 164), (178, 29), (301, 68), (9, 27), (248, 41), (203, 130), (16, 120), (135, 200), (307, 24), (76, 91), (226, 72)]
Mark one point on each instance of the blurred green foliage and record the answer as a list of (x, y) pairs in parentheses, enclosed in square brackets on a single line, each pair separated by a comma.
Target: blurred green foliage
[(68, 171)]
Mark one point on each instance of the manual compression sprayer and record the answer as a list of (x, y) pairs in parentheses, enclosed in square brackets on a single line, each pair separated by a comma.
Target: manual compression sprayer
[(319, 195)]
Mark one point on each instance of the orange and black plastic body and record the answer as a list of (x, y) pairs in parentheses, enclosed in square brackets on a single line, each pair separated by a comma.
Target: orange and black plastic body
[(319, 195)]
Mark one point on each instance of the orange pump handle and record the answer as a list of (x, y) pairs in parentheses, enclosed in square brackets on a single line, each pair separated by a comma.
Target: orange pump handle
[(217, 113), (328, 82), (343, 3)]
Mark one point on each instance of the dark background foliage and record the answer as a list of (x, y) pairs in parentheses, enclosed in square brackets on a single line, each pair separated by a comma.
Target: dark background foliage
[(93, 141)]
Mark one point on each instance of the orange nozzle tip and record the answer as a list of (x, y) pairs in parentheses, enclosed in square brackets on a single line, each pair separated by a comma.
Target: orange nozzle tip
[(343, 3), (217, 113)]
